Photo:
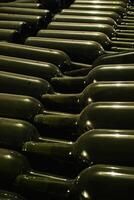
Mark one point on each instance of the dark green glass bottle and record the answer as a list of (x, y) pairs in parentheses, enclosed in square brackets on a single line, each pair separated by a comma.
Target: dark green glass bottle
[(111, 14), (99, 37), (14, 133), (110, 115), (89, 183), (109, 72), (29, 67), (17, 106), (116, 8), (13, 83), (78, 50), (99, 91), (94, 19), (120, 3), (21, 107), (22, 27), (6, 195), (124, 57), (36, 22), (93, 27), (25, 11), (104, 146), (10, 35), (22, 5), (59, 58)]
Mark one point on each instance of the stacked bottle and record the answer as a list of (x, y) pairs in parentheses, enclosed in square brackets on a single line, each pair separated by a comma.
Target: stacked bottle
[(66, 100)]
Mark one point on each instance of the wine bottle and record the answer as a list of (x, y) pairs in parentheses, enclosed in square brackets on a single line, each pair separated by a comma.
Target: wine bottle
[(10, 35), (22, 27), (115, 58), (103, 146), (92, 27), (78, 50), (92, 147), (111, 72), (129, 39), (88, 52), (29, 67), (99, 37), (35, 21), (25, 11), (120, 3), (95, 13), (118, 9), (120, 49), (110, 115), (26, 1), (13, 83), (6, 195), (16, 139), (22, 5), (20, 132), (90, 182), (17, 106), (14, 171), (100, 13), (54, 6), (21, 107), (123, 27), (5, 1), (99, 91), (59, 58)]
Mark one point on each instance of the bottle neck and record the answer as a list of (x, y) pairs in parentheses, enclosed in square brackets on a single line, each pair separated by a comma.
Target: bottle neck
[(63, 126), (68, 84), (61, 150), (125, 27), (44, 184), (124, 35), (62, 102), (122, 44)]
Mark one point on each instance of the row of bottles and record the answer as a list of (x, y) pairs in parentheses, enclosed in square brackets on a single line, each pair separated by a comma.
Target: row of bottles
[(66, 99)]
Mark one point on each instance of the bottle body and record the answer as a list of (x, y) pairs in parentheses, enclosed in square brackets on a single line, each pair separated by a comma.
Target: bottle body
[(78, 50), (59, 58)]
